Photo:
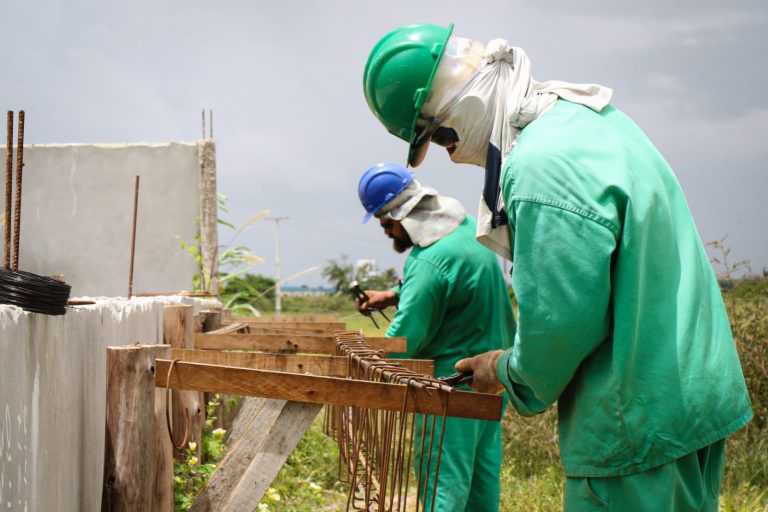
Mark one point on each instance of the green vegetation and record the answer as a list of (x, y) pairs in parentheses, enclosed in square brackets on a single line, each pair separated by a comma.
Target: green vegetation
[(342, 272), (191, 473)]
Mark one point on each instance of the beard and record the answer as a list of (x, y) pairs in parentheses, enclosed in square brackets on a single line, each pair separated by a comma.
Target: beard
[(402, 244)]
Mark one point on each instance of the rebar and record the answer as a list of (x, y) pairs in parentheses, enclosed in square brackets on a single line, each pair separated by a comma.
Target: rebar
[(8, 188), (17, 205), (376, 447), (133, 236)]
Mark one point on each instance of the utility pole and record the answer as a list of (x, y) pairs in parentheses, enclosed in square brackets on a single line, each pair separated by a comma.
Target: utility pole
[(278, 305)]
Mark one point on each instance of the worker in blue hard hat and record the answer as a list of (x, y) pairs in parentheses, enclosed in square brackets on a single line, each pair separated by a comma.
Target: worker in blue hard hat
[(452, 304), (620, 319)]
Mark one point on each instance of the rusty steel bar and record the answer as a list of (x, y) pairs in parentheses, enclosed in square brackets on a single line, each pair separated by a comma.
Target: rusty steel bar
[(17, 205), (377, 446), (133, 235), (8, 188)]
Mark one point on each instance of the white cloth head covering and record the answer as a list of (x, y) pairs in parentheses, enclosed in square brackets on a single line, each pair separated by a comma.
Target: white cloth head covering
[(488, 101), (426, 215)]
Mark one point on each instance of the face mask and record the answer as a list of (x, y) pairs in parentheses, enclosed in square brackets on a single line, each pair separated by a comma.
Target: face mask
[(472, 120)]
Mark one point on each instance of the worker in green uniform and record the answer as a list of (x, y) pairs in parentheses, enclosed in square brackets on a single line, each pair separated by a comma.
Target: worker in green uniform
[(452, 304), (620, 319)]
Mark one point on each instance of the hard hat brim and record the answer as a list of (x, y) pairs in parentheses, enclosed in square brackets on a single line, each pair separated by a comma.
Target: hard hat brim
[(366, 217), (417, 153), (420, 150)]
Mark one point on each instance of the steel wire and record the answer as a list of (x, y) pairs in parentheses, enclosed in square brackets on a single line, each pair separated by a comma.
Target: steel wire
[(31, 292)]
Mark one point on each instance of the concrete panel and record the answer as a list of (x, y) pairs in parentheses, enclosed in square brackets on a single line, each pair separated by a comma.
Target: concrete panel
[(77, 207), (53, 397)]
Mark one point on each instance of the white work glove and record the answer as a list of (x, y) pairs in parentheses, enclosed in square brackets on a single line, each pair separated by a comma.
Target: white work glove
[(377, 299), (483, 368)]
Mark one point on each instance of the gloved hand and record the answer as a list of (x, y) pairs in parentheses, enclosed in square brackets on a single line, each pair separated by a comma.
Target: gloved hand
[(377, 299), (483, 368)]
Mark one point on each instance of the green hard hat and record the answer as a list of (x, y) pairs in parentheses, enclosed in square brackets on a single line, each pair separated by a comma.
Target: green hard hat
[(398, 76)]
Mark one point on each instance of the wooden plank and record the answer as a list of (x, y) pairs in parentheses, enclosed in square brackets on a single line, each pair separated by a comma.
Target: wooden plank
[(129, 444), (328, 327), (230, 328), (327, 390), (287, 319), (329, 366), (255, 458), (289, 343)]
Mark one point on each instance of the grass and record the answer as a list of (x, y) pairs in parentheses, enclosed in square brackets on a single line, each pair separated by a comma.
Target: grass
[(532, 476)]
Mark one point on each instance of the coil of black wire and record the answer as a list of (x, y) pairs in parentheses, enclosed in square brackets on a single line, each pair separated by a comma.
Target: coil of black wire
[(31, 292)]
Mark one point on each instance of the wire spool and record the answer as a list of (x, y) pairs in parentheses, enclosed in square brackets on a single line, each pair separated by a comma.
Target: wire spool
[(31, 292)]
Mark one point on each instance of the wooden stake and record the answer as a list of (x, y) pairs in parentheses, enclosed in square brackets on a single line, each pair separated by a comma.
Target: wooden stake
[(129, 452), (178, 333), (162, 492), (210, 319)]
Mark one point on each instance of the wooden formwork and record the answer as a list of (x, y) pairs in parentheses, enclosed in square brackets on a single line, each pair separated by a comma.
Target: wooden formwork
[(289, 366)]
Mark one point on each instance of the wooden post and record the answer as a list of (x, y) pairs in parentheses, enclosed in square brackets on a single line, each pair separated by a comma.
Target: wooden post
[(162, 494), (130, 429), (210, 320), (208, 215), (178, 333)]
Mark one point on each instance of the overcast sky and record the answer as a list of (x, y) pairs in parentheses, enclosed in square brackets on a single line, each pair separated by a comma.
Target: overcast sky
[(293, 131)]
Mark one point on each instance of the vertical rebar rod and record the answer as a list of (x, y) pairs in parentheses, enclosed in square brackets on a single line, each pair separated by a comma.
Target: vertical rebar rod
[(202, 115), (133, 236), (210, 122), (17, 204), (8, 188)]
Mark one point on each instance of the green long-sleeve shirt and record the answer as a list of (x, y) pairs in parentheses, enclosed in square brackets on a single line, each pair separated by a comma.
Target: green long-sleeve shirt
[(453, 302), (620, 316)]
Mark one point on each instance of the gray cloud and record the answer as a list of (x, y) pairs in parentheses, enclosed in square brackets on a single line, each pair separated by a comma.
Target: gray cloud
[(294, 132)]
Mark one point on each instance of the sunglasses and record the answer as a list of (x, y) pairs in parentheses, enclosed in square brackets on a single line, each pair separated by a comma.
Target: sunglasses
[(437, 134), (445, 137)]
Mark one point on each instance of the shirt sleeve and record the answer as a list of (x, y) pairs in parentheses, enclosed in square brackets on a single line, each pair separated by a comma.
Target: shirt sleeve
[(422, 306), (562, 280)]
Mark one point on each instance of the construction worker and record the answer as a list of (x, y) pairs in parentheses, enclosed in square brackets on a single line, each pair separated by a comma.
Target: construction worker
[(452, 303), (620, 317)]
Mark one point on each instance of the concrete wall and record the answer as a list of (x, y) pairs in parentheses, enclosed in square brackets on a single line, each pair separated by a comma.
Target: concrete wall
[(53, 398), (77, 207)]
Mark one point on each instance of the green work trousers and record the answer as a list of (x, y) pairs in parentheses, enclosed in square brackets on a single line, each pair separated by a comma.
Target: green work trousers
[(470, 465), (688, 484)]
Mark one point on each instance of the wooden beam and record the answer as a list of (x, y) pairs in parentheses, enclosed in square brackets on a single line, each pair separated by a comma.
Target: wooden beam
[(327, 390), (329, 366), (328, 327), (290, 343), (287, 319), (230, 328), (257, 455)]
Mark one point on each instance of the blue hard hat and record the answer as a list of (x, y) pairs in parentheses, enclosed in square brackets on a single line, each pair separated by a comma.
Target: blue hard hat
[(380, 184)]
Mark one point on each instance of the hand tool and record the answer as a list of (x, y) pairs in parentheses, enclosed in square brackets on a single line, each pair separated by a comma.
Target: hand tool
[(457, 379), (360, 295)]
